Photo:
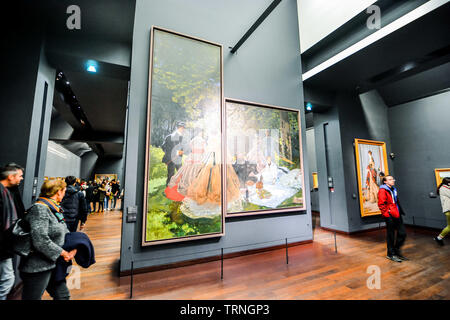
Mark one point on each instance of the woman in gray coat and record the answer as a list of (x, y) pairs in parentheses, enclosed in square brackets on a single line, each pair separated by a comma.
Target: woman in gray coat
[(48, 230)]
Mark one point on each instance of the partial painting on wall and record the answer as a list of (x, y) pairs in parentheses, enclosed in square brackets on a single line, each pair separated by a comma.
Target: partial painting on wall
[(183, 181), (264, 172), (99, 177), (371, 161), (441, 174)]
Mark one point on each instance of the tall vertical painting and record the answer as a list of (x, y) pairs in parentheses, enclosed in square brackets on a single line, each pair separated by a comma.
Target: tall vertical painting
[(183, 181), (371, 162), (264, 171)]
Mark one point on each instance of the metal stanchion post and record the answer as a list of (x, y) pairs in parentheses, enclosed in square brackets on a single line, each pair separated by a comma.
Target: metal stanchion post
[(335, 243), (221, 264), (287, 253), (131, 280)]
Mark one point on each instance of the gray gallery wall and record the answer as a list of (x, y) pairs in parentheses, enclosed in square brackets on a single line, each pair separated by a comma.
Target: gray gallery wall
[(108, 166), (351, 116), (266, 69), (420, 133), (333, 205), (25, 118), (61, 162), (362, 117)]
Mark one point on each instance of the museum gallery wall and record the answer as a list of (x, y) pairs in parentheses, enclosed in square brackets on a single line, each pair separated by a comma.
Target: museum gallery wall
[(191, 132), (371, 162)]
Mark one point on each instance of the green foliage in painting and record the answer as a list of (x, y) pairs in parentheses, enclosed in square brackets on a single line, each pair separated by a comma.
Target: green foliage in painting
[(157, 168), (293, 201)]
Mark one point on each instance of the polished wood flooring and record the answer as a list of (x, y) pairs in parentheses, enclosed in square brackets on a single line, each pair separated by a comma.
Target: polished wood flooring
[(315, 270)]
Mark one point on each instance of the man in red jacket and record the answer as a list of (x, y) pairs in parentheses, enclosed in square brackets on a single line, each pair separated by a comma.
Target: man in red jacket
[(392, 212)]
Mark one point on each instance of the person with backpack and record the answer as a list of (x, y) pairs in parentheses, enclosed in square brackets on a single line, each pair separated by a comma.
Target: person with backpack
[(11, 209), (74, 205), (444, 193)]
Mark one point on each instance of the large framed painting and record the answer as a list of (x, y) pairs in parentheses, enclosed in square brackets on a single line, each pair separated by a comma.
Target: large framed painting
[(372, 166), (264, 169), (183, 164), (441, 174), (105, 176)]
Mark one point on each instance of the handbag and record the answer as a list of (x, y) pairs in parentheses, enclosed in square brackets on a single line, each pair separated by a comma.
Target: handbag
[(21, 238)]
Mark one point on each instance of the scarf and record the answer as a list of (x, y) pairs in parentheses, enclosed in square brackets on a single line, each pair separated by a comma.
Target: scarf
[(393, 192), (54, 207), (9, 214)]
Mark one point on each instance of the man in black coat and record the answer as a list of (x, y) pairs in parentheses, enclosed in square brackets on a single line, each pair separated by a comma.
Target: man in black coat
[(74, 205), (11, 209), (90, 197), (174, 147)]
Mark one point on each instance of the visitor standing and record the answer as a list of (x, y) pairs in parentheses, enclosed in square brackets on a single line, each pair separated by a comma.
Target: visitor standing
[(392, 212), (10, 177), (74, 205), (48, 230), (115, 190)]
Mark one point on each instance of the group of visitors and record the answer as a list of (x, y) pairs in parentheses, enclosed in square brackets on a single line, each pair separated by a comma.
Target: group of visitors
[(44, 236), (102, 195)]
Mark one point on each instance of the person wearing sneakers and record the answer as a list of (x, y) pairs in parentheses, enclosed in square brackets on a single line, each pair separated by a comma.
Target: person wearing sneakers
[(392, 214), (444, 193)]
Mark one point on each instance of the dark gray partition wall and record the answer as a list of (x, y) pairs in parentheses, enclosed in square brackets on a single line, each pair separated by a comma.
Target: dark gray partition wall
[(420, 134), (26, 101), (350, 116), (265, 69)]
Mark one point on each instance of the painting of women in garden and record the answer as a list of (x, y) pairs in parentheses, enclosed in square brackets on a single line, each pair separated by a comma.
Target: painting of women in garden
[(263, 159), (184, 148)]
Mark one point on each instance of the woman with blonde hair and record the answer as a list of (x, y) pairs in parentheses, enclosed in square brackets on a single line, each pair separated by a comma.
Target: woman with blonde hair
[(47, 230)]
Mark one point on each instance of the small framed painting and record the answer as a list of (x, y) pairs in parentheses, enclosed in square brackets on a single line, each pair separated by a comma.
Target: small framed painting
[(371, 163)]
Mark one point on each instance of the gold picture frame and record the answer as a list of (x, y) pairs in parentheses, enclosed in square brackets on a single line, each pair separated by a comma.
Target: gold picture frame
[(438, 175), (315, 180), (296, 201), (147, 236), (370, 171)]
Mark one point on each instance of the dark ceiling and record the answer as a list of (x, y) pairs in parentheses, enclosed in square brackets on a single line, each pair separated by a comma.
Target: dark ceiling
[(105, 36), (407, 53), (100, 19)]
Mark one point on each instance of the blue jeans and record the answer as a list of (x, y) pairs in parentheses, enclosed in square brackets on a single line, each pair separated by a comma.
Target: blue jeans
[(7, 277), (106, 202)]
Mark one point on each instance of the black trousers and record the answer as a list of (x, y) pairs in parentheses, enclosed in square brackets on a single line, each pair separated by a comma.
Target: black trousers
[(395, 235), (72, 225), (171, 170), (35, 284)]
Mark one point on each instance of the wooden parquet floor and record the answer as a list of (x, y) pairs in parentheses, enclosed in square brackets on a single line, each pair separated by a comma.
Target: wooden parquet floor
[(314, 271)]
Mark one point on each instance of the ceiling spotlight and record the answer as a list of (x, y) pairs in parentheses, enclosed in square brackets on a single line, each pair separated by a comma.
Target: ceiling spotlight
[(91, 66), (67, 82)]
